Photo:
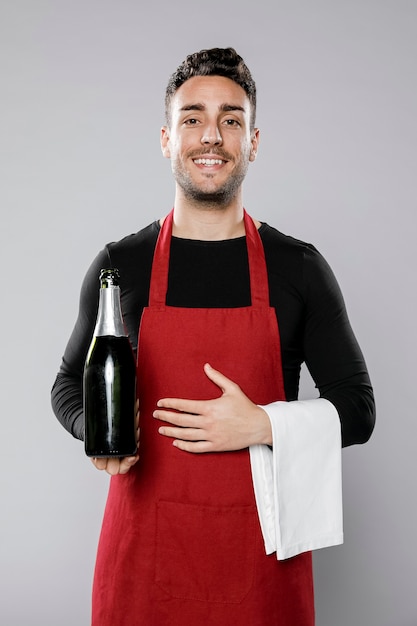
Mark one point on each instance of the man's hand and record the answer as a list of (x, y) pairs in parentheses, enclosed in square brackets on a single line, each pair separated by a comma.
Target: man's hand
[(119, 465), (230, 422)]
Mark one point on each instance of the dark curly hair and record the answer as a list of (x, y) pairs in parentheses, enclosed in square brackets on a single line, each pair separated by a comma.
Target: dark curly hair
[(213, 62)]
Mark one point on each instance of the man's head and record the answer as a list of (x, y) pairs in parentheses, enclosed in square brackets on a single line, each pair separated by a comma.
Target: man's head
[(210, 136), (213, 62)]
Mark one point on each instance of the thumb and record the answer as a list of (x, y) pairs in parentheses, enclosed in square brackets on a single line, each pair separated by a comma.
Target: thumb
[(218, 378)]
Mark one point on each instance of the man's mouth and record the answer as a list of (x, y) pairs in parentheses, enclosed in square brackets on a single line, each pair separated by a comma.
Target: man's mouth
[(208, 162)]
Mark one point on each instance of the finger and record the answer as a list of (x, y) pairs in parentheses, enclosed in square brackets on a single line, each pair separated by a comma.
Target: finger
[(219, 379), (184, 407), (113, 466), (184, 434), (185, 420), (99, 462), (196, 447), (127, 463)]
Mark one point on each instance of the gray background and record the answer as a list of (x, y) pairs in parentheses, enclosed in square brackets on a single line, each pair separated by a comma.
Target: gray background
[(82, 85)]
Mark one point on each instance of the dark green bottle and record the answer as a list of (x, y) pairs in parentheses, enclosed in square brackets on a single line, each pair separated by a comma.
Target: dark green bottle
[(110, 378)]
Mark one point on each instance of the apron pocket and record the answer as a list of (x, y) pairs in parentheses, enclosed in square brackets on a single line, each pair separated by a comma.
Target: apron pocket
[(205, 553)]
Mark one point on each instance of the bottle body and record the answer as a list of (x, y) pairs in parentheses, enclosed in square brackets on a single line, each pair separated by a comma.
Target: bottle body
[(109, 380)]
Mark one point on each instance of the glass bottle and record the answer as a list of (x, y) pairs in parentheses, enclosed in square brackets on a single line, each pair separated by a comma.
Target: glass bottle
[(109, 385)]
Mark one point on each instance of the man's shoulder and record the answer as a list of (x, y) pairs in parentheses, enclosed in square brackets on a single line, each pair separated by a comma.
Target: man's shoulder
[(134, 253), (296, 260), (281, 242), (141, 240)]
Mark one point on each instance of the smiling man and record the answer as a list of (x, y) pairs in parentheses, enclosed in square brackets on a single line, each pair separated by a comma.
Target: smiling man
[(237, 479)]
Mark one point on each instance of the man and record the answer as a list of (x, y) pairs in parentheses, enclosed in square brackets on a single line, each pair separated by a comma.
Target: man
[(214, 522)]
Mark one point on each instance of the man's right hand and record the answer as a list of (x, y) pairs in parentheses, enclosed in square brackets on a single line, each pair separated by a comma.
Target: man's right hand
[(119, 465), (115, 465)]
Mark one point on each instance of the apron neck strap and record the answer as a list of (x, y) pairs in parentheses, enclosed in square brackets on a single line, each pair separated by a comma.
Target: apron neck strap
[(256, 257), (259, 287)]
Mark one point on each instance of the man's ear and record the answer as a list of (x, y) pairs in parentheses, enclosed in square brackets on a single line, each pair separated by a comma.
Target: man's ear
[(255, 144), (165, 142)]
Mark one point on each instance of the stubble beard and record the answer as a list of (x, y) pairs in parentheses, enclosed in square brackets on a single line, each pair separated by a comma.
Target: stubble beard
[(216, 198)]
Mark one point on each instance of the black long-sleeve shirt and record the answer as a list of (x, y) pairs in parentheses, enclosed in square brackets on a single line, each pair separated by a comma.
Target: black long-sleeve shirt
[(312, 319)]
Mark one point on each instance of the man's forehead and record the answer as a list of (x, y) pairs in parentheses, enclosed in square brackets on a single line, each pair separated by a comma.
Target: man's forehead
[(199, 92)]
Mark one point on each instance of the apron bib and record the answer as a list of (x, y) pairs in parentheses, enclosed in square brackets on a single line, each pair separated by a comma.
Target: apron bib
[(181, 543)]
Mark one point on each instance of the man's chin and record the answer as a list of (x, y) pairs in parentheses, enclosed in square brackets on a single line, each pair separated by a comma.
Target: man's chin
[(210, 198), (218, 196)]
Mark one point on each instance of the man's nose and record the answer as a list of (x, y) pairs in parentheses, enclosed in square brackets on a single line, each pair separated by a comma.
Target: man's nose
[(211, 136)]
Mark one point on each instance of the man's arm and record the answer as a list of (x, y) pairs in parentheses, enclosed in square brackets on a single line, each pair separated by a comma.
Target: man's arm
[(67, 391)]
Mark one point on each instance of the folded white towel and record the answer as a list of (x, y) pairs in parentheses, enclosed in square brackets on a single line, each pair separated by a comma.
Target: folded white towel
[(298, 484)]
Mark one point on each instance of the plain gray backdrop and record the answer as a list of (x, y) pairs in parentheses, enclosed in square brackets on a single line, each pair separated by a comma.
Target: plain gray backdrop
[(82, 86)]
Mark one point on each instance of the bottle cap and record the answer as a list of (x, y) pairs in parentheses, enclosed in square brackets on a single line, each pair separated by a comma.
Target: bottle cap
[(109, 277)]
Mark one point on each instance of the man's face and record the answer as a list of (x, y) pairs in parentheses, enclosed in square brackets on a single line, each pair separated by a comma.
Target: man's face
[(209, 141)]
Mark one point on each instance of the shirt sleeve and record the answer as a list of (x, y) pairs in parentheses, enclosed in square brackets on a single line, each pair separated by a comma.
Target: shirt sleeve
[(332, 353), (67, 393)]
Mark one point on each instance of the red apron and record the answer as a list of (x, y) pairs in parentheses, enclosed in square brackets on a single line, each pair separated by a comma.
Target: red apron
[(181, 543)]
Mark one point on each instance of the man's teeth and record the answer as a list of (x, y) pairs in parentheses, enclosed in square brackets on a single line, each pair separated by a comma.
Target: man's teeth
[(208, 161)]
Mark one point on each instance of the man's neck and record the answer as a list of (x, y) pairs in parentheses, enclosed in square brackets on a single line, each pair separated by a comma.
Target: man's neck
[(208, 223)]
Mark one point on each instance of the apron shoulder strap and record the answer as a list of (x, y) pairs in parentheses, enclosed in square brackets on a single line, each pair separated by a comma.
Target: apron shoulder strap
[(257, 264), (160, 265), (256, 256)]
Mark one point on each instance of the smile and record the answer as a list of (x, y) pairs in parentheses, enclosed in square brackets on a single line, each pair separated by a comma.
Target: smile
[(208, 162)]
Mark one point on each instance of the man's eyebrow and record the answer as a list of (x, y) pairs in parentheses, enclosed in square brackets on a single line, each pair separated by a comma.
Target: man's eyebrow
[(232, 107), (198, 106), (193, 107)]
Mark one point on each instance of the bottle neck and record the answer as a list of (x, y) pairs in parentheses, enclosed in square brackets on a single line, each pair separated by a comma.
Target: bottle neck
[(109, 317)]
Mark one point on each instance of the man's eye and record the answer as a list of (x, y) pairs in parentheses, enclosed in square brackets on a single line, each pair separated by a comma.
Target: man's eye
[(232, 122), (191, 122)]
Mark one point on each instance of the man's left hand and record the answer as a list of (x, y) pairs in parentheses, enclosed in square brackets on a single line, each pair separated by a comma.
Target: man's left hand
[(230, 422)]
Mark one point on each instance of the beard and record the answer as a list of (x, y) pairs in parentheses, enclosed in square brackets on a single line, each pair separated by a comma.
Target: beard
[(207, 192)]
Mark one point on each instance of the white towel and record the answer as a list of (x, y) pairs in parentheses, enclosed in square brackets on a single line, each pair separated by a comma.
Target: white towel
[(298, 484)]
